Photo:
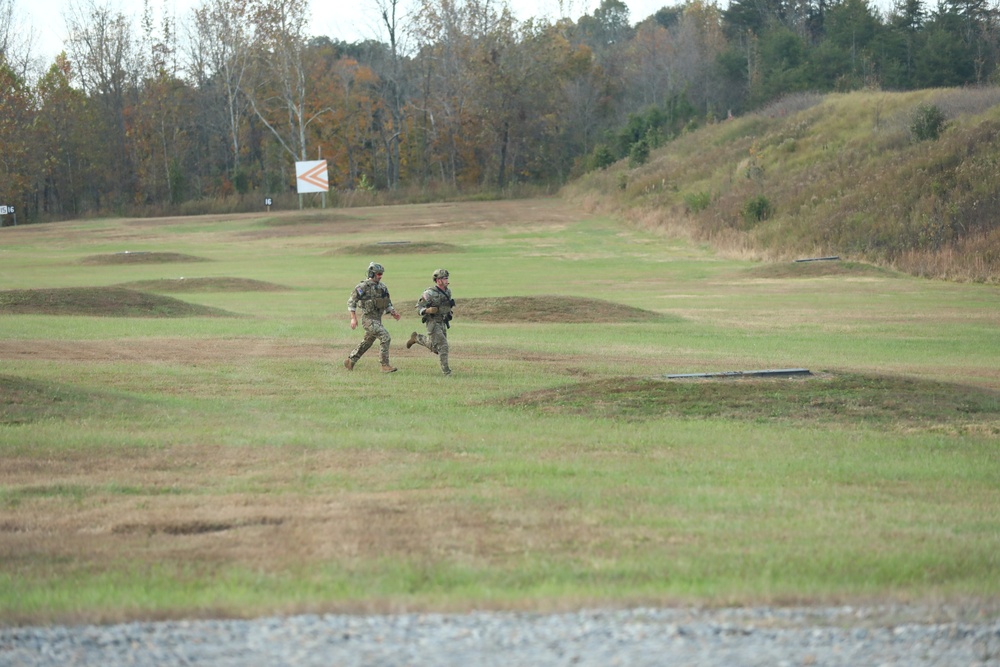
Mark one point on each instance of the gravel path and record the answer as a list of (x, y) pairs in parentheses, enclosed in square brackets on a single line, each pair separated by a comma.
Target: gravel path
[(771, 637)]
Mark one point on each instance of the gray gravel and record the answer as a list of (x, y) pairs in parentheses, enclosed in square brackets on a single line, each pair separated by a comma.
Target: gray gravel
[(771, 637)]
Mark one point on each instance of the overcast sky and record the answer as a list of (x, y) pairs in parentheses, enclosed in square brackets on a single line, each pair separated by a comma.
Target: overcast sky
[(347, 20)]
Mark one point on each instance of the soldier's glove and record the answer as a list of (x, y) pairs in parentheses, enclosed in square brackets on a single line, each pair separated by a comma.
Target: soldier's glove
[(431, 311)]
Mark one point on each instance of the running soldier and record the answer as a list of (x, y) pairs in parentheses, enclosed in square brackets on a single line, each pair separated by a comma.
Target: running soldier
[(373, 297), (435, 308)]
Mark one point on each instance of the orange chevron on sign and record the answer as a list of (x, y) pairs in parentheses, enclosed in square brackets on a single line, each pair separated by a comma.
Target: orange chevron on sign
[(311, 176)]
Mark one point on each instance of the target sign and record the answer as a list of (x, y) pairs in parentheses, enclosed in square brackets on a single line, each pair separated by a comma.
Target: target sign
[(312, 176)]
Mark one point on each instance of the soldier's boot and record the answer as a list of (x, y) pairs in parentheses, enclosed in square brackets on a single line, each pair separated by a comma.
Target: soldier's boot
[(386, 368), (413, 340), (349, 364)]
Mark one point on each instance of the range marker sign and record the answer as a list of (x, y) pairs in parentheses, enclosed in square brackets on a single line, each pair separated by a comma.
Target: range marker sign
[(312, 176)]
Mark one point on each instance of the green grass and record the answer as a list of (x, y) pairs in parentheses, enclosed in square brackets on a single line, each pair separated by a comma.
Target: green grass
[(197, 465)]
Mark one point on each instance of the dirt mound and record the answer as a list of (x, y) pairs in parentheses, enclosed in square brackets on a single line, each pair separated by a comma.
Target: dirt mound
[(100, 302), (394, 248), (832, 398), (141, 257), (24, 401), (549, 309), (204, 285)]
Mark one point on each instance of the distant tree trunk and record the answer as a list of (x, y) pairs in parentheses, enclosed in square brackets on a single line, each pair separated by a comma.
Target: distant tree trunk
[(393, 85)]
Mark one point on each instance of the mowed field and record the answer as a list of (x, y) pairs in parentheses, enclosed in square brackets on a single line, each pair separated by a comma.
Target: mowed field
[(179, 436)]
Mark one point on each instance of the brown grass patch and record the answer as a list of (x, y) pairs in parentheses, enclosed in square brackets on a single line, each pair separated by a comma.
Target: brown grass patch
[(166, 507), (392, 223), (221, 284), (550, 309), (141, 257), (100, 302), (162, 349), (291, 219)]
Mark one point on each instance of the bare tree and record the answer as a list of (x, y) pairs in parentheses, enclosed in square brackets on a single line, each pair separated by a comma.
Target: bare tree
[(444, 39), (393, 91), (220, 57), (281, 97), (17, 39)]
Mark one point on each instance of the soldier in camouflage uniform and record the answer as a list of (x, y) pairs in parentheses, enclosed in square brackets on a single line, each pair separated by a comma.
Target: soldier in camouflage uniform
[(435, 309), (373, 297)]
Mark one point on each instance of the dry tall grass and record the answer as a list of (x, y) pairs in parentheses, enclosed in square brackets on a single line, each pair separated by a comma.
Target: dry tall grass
[(839, 175)]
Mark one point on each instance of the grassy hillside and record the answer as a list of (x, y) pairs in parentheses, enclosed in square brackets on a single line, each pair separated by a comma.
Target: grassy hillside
[(843, 174)]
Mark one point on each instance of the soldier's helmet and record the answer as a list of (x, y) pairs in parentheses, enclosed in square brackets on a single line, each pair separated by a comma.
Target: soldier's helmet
[(374, 268), (440, 273)]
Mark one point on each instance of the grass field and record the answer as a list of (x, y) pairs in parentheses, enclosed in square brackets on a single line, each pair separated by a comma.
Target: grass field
[(179, 437)]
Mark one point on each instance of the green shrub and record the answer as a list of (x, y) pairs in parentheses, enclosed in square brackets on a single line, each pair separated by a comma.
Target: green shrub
[(697, 201), (757, 209), (638, 155), (927, 122), (602, 157)]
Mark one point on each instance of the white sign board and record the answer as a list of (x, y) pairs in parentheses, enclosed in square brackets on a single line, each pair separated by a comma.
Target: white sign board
[(311, 176), (3, 210)]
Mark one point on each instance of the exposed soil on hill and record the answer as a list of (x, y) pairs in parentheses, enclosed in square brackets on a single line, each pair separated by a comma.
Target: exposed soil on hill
[(221, 284), (141, 257), (553, 309)]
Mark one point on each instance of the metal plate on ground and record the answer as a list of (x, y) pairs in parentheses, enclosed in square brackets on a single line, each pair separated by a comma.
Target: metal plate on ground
[(776, 372)]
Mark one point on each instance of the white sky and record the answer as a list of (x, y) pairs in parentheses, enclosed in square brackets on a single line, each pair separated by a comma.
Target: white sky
[(347, 20)]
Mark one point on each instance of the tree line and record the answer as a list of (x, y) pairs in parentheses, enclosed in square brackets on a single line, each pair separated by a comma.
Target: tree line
[(147, 114)]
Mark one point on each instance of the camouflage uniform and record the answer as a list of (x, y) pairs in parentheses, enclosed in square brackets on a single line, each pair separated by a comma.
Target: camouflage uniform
[(436, 339), (372, 296)]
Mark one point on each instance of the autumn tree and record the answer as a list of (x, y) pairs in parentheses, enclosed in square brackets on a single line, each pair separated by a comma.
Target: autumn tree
[(445, 38), (280, 96), (65, 143), (589, 101), (501, 73), (160, 121), (16, 116), (345, 134)]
